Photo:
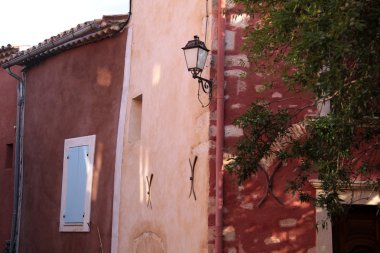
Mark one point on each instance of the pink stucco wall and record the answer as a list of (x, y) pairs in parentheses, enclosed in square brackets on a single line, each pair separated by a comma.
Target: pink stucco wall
[(174, 129)]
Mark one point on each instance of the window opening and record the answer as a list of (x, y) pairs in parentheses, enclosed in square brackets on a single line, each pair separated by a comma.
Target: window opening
[(134, 132), (357, 230), (77, 184), (9, 156)]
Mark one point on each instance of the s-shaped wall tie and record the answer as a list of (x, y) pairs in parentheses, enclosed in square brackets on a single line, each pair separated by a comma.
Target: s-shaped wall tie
[(149, 181), (269, 180), (192, 168)]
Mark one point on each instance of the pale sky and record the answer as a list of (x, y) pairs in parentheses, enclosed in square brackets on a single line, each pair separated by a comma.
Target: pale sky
[(28, 22)]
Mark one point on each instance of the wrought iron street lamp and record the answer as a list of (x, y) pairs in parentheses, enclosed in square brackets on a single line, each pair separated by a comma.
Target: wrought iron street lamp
[(195, 55)]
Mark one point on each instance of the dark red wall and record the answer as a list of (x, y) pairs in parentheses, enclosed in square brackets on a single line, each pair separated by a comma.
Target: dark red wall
[(76, 93), (272, 227), (8, 106)]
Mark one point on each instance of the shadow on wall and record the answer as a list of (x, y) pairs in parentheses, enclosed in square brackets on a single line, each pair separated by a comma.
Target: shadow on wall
[(272, 227)]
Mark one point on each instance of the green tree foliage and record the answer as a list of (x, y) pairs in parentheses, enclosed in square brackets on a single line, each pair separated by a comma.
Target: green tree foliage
[(331, 48)]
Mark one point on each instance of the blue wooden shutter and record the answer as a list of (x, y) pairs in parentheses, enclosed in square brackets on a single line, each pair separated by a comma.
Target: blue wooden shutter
[(76, 184)]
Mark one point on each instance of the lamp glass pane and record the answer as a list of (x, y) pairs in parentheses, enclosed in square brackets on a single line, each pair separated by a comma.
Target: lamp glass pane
[(202, 56), (191, 57)]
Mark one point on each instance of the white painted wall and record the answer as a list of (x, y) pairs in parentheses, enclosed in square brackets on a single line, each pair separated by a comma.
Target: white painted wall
[(174, 128)]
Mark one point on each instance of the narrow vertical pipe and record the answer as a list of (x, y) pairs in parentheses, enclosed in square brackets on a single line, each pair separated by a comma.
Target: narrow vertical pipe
[(21, 156), (220, 129), (17, 184)]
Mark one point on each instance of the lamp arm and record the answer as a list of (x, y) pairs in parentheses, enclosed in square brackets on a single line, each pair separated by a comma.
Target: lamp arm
[(206, 85), (209, 82)]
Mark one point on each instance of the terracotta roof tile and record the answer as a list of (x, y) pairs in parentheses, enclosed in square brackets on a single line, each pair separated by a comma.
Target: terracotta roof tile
[(84, 33), (7, 51)]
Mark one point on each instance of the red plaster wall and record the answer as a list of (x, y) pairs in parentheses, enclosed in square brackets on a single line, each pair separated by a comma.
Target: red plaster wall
[(272, 227), (8, 96), (76, 93)]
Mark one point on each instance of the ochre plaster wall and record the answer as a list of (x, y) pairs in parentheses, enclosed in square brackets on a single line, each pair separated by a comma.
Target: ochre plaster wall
[(8, 106), (76, 93), (272, 227), (174, 129)]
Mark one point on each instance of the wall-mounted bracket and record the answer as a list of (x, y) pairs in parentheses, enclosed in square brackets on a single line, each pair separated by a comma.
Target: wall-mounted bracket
[(269, 180), (149, 181), (192, 168)]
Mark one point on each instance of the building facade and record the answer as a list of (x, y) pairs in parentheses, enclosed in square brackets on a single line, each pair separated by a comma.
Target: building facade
[(8, 88), (118, 104), (166, 130), (73, 85)]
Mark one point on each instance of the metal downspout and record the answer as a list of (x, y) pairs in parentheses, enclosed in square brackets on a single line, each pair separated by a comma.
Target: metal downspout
[(219, 129), (17, 185)]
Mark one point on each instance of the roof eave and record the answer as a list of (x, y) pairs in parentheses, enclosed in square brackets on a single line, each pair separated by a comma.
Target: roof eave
[(70, 40)]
